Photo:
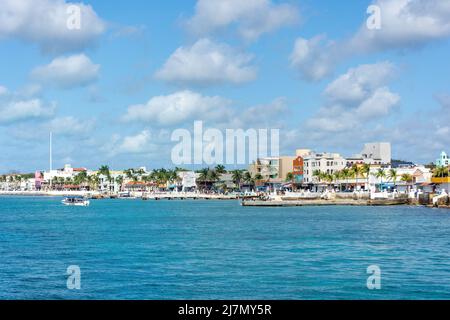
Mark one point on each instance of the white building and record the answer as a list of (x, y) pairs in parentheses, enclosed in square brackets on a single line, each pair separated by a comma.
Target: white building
[(111, 184), (188, 180), (373, 153), (420, 175), (324, 162), (66, 172), (443, 161)]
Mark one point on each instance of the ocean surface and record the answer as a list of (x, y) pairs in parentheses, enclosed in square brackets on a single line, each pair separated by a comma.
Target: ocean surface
[(134, 249)]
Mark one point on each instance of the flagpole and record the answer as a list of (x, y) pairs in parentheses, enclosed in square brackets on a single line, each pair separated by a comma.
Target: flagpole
[(50, 158)]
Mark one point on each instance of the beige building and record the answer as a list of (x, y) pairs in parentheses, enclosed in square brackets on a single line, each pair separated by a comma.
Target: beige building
[(274, 169)]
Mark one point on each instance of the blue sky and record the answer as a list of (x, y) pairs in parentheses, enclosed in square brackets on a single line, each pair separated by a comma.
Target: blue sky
[(310, 68)]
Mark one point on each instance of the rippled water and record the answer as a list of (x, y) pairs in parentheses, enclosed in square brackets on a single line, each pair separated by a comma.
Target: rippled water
[(132, 249)]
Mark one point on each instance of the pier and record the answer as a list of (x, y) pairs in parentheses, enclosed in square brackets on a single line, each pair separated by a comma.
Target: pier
[(323, 202), (170, 196)]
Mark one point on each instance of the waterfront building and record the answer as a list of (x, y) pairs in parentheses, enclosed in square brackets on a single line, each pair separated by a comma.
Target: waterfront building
[(110, 184), (442, 182), (443, 161), (65, 173), (188, 180), (140, 186), (375, 153), (298, 170), (38, 180), (401, 164), (325, 162), (273, 169), (421, 178), (17, 182), (225, 182), (298, 165)]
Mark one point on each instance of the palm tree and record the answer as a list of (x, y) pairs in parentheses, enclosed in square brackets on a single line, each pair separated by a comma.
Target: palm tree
[(237, 178), (104, 170), (249, 179), (328, 178), (357, 171), (213, 176), (337, 177), (407, 178), (318, 175), (93, 181), (365, 170), (440, 172), (204, 176), (18, 179), (129, 173), (220, 169), (393, 176), (258, 177), (380, 174), (352, 174), (290, 177), (346, 174), (54, 182), (81, 178), (119, 181)]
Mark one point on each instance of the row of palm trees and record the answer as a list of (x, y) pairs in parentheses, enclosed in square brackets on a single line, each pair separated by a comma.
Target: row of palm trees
[(159, 176), (15, 179), (361, 172), (441, 172)]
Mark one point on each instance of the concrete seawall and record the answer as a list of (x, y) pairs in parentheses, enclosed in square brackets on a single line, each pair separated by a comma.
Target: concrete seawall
[(323, 202)]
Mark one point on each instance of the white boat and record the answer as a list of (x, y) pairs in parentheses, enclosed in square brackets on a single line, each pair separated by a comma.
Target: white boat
[(125, 195), (76, 201)]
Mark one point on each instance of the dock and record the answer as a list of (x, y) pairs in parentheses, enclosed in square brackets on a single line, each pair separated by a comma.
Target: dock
[(324, 202), (188, 197)]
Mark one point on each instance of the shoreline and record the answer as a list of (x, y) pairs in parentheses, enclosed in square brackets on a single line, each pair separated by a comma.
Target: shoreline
[(48, 193), (243, 202)]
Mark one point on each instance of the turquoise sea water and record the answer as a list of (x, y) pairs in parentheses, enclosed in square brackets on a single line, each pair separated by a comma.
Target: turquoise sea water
[(133, 249)]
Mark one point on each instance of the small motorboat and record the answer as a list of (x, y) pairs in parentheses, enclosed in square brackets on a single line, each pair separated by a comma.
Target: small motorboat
[(75, 201)]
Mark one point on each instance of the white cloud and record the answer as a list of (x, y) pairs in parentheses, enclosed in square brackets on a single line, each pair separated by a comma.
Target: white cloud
[(270, 115), (358, 83), (405, 25), (3, 91), (356, 99), (444, 101), (377, 105), (12, 111), (70, 126), (177, 108), (140, 143), (45, 22), (135, 144), (207, 62), (251, 18), (314, 58), (67, 72)]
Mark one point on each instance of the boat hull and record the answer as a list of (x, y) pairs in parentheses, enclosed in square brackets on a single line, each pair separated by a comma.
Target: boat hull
[(83, 203)]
